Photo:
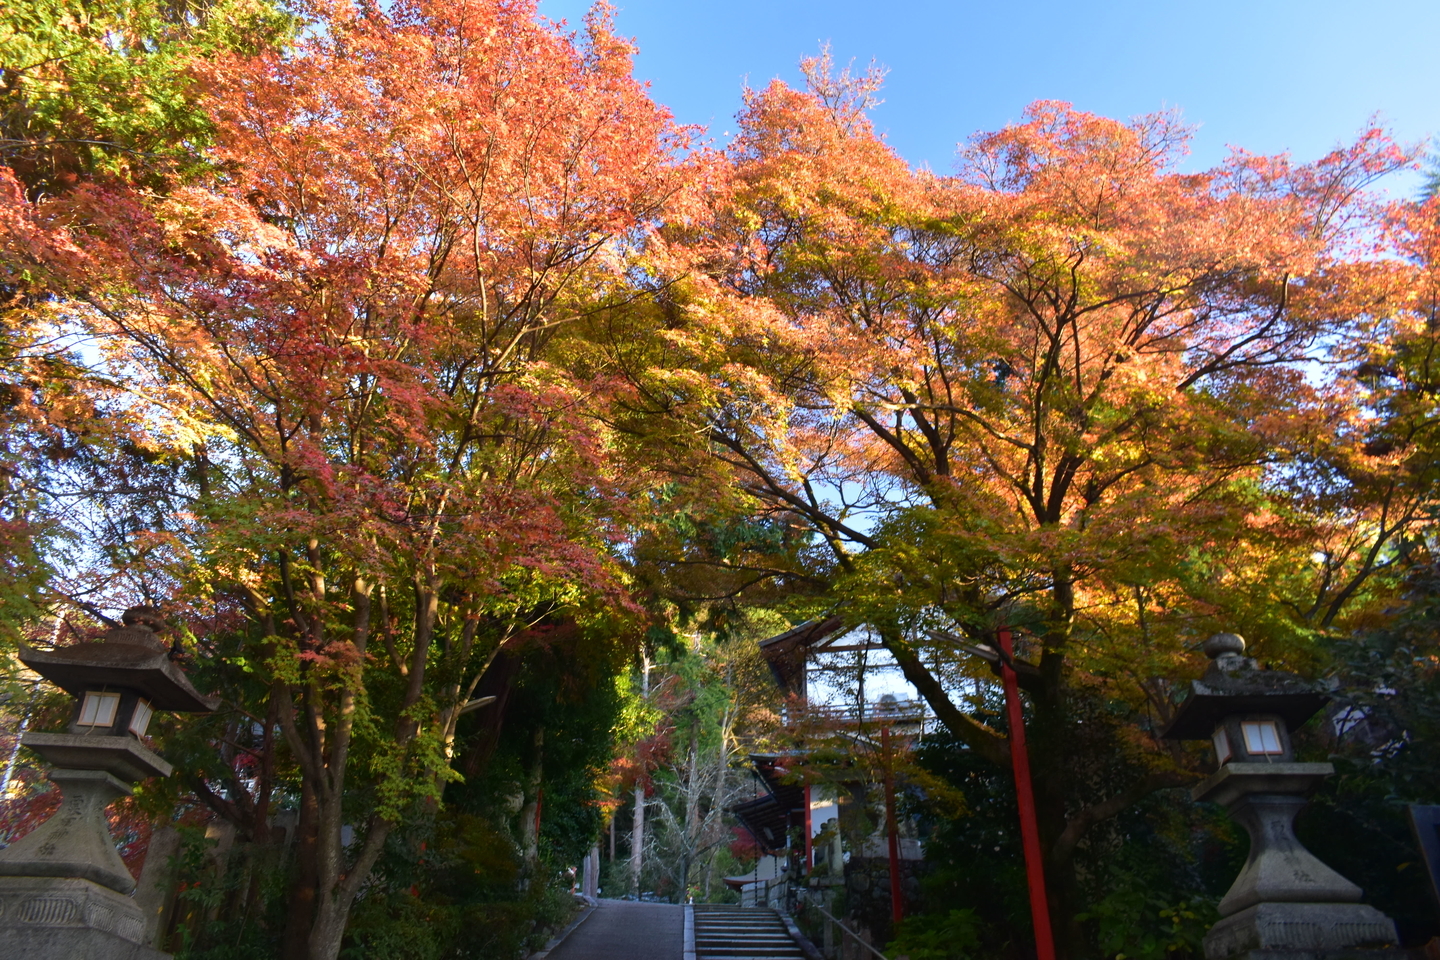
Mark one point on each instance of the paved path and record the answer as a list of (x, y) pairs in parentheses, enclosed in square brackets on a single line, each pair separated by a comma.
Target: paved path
[(625, 930)]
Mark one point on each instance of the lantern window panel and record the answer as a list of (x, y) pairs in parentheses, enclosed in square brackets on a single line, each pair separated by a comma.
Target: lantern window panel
[(98, 709), (1262, 738), (1222, 745), (140, 719)]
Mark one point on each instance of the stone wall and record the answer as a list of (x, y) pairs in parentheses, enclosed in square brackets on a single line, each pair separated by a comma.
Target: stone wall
[(867, 893)]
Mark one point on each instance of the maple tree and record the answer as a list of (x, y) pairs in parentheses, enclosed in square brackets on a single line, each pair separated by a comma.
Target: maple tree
[(89, 92), (104, 88), (387, 351), (1065, 388), (359, 338), (1393, 354)]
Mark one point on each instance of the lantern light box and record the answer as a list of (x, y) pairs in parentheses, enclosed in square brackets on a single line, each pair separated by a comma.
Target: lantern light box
[(98, 709), (1262, 738)]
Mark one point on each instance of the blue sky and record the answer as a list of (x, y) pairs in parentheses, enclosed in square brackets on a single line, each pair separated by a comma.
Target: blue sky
[(1266, 75)]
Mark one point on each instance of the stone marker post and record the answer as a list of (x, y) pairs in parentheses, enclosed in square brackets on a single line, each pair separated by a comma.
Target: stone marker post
[(64, 891)]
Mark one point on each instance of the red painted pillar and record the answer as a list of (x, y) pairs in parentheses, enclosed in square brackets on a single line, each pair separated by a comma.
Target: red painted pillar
[(1025, 796), (897, 902)]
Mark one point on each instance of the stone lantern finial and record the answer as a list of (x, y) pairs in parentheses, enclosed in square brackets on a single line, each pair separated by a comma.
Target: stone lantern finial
[(1224, 644)]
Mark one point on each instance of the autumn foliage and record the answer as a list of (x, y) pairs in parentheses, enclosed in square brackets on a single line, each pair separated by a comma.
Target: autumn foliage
[(434, 335), (1069, 388), (358, 331)]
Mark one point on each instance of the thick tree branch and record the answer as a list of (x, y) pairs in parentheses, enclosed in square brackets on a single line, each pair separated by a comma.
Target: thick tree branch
[(966, 728), (1078, 825)]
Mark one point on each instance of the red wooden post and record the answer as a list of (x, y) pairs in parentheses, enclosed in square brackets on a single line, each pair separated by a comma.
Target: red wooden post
[(897, 902), (1025, 796)]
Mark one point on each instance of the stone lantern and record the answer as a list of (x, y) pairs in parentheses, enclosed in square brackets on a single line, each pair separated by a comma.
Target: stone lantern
[(64, 891), (1285, 899)]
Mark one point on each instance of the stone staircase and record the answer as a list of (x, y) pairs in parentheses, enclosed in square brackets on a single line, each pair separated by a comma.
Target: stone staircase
[(742, 933)]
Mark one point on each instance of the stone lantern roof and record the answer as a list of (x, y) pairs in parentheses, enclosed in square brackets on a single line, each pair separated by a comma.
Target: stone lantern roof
[(129, 656), (1236, 684)]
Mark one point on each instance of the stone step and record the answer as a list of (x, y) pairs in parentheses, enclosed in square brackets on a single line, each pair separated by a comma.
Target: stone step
[(757, 927), (742, 933), (702, 924), (723, 938)]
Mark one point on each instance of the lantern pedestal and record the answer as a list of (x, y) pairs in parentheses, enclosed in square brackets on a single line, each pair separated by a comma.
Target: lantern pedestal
[(1286, 903), (92, 773), (52, 918), (1304, 931), (63, 886)]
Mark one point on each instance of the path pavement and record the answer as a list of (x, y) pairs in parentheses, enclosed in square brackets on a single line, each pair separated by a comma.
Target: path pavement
[(625, 930)]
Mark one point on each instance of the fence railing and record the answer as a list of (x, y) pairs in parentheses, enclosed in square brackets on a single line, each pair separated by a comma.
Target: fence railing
[(895, 712), (831, 922), (773, 892)]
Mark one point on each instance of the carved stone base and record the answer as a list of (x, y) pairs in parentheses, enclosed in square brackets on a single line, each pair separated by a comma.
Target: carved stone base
[(1264, 799), (64, 919), (1310, 930), (75, 841)]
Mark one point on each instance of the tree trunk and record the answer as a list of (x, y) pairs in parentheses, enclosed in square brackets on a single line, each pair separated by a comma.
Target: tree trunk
[(1053, 786), (592, 872), (1061, 884), (530, 813), (637, 827), (693, 788), (300, 910), (335, 902), (637, 839), (329, 930)]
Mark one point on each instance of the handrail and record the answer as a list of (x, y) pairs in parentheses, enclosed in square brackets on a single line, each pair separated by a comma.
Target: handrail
[(842, 926)]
